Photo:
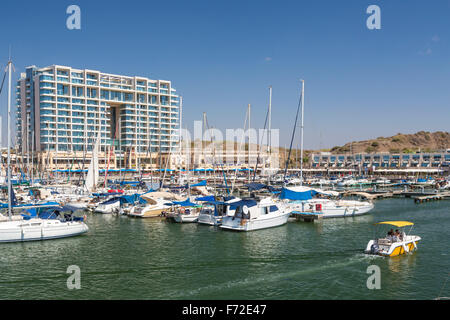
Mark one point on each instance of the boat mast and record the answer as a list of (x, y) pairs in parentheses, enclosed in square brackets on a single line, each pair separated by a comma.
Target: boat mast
[(179, 138), (269, 137), (301, 141), (9, 139), (248, 148), (32, 158), (300, 101)]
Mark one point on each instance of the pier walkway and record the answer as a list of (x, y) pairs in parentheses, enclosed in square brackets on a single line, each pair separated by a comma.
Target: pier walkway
[(438, 196)]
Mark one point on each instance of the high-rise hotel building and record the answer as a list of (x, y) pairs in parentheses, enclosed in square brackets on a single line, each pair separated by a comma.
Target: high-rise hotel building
[(61, 110)]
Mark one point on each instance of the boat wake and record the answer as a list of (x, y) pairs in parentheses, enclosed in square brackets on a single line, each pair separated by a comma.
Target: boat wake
[(272, 277)]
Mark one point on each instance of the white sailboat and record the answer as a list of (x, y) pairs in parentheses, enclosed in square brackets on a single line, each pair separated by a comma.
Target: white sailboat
[(92, 177), (301, 196)]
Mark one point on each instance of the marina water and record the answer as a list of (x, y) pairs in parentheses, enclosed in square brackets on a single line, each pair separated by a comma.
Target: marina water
[(124, 258)]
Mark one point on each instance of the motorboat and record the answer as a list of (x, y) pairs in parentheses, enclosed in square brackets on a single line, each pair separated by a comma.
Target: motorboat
[(109, 206), (153, 208), (213, 212), (394, 245), (183, 212), (186, 215), (253, 214)]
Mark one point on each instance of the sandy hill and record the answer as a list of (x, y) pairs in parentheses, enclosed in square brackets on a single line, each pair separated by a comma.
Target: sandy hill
[(407, 143)]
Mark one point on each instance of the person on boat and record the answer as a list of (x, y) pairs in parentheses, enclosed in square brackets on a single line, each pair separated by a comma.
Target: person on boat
[(399, 235), (390, 235), (395, 236)]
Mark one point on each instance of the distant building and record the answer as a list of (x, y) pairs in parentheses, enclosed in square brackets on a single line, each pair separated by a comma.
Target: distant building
[(380, 161)]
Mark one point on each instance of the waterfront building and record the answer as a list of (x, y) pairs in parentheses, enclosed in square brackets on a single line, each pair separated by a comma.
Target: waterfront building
[(365, 162), (61, 110)]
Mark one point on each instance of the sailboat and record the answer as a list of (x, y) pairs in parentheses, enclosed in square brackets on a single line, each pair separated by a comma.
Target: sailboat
[(32, 227), (301, 198), (92, 177)]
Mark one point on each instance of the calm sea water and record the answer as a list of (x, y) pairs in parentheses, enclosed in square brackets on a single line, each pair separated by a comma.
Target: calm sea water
[(123, 258)]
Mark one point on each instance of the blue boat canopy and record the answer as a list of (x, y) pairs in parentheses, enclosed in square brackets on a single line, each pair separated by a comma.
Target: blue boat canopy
[(290, 194), (206, 198), (241, 203), (186, 203), (200, 184), (130, 198)]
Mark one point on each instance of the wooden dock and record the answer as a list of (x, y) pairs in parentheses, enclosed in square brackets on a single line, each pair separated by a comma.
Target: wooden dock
[(418, 197), (307, 216), (434, 197), (369, 196)]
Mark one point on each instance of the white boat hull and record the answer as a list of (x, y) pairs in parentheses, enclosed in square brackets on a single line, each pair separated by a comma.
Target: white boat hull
[(346, 212), (330, 209), (39, 229), (185, 218), (210, 219), (269, 221), (108, 208)]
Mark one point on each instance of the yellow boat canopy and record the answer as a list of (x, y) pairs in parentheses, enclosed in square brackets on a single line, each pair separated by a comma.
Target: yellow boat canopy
[(399, 224)]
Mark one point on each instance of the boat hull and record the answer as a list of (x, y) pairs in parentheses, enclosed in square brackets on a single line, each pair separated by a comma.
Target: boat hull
[(184, 218), (238, 224), (346, 212), (147, 214), (107, 209), (33, 230), (209, 219)]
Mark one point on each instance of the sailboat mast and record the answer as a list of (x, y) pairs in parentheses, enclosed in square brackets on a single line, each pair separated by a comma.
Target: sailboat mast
[(9, 140), (248, 148), (270, 124), (301, 141), (179, 138), (32, 158)]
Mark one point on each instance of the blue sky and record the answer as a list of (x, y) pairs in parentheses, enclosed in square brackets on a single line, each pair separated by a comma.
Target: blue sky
[(223, 55)]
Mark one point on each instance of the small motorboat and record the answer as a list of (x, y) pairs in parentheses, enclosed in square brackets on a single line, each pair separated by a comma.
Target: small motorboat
[(186, 215), (254, 214), (214, 211), (152, 209), (394, 244), (109, 206), (183, 212)]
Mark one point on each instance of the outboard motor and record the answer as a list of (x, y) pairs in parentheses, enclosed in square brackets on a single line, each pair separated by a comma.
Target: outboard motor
[(374, 248)]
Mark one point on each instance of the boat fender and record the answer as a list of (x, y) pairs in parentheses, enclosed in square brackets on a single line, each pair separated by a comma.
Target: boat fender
[(415, 245), (84, 217)]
